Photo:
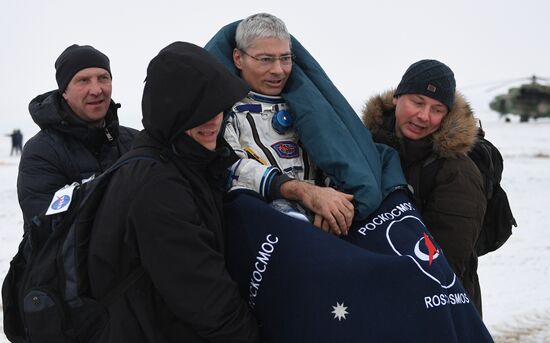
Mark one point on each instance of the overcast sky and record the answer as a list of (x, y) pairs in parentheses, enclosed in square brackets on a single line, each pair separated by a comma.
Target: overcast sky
[(364, 46)]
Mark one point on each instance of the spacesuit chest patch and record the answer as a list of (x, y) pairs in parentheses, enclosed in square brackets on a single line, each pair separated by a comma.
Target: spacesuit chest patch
[(286, 149)]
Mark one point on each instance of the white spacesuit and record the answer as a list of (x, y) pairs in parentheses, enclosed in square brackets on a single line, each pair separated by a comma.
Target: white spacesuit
[(260, 130)]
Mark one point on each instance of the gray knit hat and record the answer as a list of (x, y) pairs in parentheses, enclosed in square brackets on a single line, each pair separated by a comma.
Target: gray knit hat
[(74, 59), (430, 78)]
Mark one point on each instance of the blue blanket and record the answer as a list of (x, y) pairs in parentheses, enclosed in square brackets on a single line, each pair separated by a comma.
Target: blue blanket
[(388, 281), (329, 128)]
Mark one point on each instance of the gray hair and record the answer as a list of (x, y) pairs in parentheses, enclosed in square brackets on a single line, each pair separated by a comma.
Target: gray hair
[(260, 25)]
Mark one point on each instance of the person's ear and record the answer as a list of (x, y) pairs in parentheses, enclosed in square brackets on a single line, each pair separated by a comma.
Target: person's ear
[(237, 59)]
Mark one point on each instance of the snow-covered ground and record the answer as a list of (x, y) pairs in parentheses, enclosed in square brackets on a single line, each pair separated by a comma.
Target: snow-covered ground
[(515, 280)]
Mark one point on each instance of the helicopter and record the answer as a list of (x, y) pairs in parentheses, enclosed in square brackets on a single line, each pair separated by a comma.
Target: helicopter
[(529, 100)]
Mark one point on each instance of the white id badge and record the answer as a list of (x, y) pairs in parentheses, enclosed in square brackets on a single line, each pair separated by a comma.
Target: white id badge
[(61, 200)]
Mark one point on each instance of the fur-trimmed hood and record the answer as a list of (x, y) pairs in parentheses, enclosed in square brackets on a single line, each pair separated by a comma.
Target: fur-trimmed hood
[(456, 135)]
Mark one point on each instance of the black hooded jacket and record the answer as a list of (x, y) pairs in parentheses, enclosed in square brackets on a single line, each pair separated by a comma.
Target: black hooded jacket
[(165, 215), (65, 150)]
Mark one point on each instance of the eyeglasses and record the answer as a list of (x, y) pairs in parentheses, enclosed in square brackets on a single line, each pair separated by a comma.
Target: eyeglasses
[(266, 61)]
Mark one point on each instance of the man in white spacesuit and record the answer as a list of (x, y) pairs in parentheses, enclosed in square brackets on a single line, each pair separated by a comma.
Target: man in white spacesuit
[(260, 129)]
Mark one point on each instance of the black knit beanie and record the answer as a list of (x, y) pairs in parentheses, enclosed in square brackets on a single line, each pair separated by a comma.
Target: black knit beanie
[(74, 59), (430, 78)]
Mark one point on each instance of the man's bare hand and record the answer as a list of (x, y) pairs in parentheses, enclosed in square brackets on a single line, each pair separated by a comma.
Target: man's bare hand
[(333, 209)]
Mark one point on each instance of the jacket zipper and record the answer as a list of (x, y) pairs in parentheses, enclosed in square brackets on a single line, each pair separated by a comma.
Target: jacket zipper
[(108, 134), (259, 143)]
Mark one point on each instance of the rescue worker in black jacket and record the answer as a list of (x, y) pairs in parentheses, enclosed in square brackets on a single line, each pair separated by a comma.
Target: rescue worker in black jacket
[(164, 214), (80, 135)]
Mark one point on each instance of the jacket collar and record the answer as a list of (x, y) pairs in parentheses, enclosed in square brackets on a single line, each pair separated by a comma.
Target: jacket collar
[(48, 111), (189, 155), (456, 135)]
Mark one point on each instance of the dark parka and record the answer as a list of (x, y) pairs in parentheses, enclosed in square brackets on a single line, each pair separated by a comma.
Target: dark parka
[(166, 216), (65, 150), (454, 209)]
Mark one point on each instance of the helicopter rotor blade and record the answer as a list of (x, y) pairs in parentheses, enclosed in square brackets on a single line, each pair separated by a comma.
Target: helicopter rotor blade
[(493, 85), (505, 83)]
